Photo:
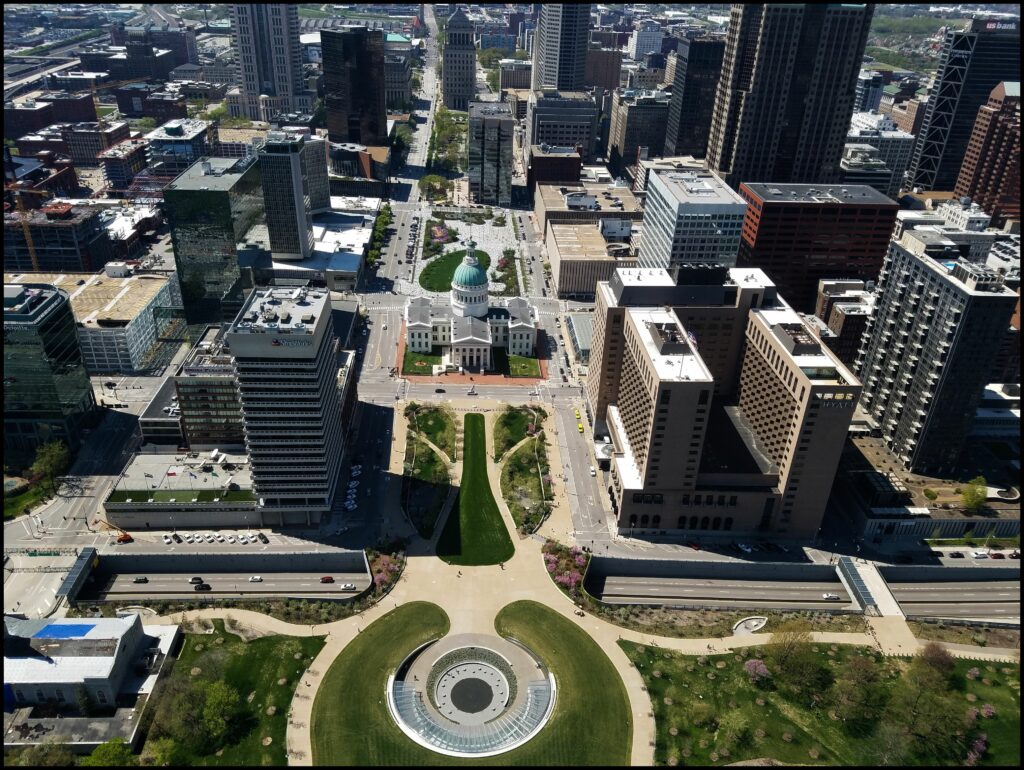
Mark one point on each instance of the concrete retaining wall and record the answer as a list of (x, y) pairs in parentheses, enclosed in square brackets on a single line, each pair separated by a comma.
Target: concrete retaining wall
[(257, 563), (935, 574)]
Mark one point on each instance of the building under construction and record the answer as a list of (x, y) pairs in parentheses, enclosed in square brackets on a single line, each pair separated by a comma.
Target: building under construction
[(61, 238)]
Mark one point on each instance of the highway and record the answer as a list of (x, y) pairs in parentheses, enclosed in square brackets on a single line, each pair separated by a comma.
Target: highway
[(747, 593), (167, 586), (995, 599)]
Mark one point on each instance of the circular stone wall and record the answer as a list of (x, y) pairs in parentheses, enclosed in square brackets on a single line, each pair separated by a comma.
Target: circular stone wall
[(471, 699)]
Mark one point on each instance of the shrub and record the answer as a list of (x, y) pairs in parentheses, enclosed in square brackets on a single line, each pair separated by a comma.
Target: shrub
[(756, 670)]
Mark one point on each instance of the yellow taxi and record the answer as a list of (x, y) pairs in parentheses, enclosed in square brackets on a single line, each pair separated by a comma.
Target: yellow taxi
[(577, 413), (579, 427)]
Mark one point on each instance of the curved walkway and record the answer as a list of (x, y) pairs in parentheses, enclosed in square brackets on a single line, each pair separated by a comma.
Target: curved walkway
[(468, 596)]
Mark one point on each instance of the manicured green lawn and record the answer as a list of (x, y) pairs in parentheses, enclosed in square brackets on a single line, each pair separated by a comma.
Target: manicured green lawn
[(515, 366), (437, 275), (425, 488), (591, 723), (475, 533), (14, 505), (420, 363), (350, 723), (682, 681), (510, 427), (521, 483), (250, 667), (438, 425)]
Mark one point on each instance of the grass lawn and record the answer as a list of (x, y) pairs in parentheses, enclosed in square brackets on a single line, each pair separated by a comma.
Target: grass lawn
[(981, 540), (814, 738), (510, 427), (590, 725), (521, 483), (438, 425), (477, 535), (250, 667), (350, 723), (425, 489), (515, 366), (437, 275), (15, 505), (420, 363)]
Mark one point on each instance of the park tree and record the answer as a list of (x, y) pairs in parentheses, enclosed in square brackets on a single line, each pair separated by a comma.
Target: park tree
[(49, 753), (975, 494), (925, 710), (734, 727), (220, 710), (112, 753), (52, 459), (858, 696), (788, 641), (165, 752)]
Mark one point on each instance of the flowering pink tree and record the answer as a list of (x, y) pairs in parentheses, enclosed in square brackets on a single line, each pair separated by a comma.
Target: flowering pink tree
[(756, 670), (988, 711), (977, 751), (380, 579)]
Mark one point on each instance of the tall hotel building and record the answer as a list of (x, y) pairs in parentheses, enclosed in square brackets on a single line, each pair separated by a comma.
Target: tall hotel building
[(286, 362), (560, 47), (724, 412)]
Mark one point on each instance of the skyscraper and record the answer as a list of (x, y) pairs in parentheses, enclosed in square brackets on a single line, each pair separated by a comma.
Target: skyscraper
[(295, 184), (698, 65), (458, 63), (560, 46), (209, 209), (786, 92), (354, 92), (868, 95), (990, 174), (928, 350), (286, 363), (974, 61), (490, 152), (638, 120), (266, 41), (47, 393)]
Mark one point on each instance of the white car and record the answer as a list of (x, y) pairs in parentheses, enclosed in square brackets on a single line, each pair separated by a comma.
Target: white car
[(220, 537), (187, 537), (255, 579), (353, 484), (350, 507), (384, 327), (348, 587), (243, 539), (979, 554), (357, 467), (231, 538), (744, 547), (831, 597), (210, 538), (593, 471), (167, 540)]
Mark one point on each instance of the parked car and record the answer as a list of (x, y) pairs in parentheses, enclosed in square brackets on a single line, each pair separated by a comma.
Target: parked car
[(243, 539), (263, 538), (956, 555), (1014, 555), (997, 555), (231, 538), (176, 537), (979, 554), (744, 547), (219, 537), (167, 539)]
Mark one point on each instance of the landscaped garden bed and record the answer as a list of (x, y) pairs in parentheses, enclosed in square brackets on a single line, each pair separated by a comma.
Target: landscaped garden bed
[(436, 423), (526, 485), (425, 484), (800, 702), (421, 364), (513, 425)]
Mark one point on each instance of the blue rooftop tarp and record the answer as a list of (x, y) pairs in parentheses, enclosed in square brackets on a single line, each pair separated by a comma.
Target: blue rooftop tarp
[(64, 631)]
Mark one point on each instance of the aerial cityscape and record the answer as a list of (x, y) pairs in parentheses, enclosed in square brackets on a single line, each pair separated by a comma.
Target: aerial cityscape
[(511, 383)]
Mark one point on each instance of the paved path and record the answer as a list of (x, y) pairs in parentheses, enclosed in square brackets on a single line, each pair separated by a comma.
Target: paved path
[(473, 596)]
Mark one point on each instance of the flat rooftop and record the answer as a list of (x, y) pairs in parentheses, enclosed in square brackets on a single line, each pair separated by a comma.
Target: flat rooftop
[(280, 309), (815, 360), (124, 148), (178, 130), (97, 300), (550, 151), (696, 187), (180, 478), (553, 196), (853, 195), (490, 110), (665, 341), (580, 241), (212, 174)]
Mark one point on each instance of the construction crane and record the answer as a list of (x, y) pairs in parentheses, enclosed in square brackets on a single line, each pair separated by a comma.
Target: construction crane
[(25, 229)]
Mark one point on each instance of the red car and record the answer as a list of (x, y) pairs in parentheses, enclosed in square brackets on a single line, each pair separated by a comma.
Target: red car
[(694, 545)]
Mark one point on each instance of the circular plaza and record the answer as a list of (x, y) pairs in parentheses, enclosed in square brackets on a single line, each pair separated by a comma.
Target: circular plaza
[(471, 695)]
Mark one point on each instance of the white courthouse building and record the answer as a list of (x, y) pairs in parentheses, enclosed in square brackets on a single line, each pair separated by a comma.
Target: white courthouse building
[(469, 327)]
